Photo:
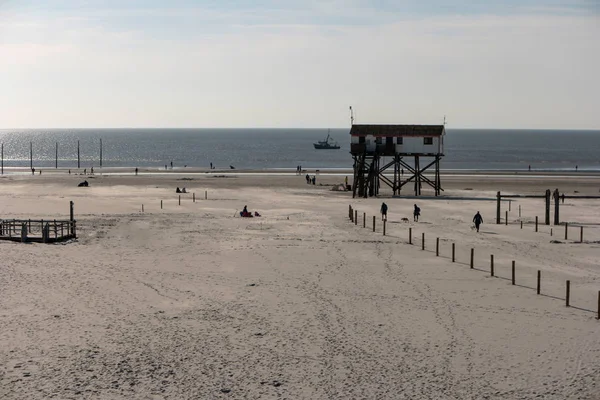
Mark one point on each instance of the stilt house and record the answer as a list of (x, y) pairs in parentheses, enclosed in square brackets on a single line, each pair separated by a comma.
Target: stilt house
[(369, 143)]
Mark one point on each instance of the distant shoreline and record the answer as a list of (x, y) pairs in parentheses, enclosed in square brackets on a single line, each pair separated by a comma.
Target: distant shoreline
[(291, 171)]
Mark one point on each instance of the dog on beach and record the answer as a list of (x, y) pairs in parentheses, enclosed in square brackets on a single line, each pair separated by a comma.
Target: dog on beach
[(404, 219)]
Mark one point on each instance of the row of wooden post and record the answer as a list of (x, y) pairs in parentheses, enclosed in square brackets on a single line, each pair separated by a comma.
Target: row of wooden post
[(354, 217), (566, 230), (193, 200)]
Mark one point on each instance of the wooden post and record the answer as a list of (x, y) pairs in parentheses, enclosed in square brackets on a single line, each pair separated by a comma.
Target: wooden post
[(453, 251), (78, 163), (556, 209), (384, 221), (568, 297), (142, 208), (373, 223), (409, 235), (161, 204), (513, 272), (350, 212), (355, 217), (179, 199), (566, 230), (539, 282), (364, 220), (472, 257), (206, 195), (72, 216), (437, 247), (194, 197), (55, 230), (423, 241), (491, 265), (536, 223), (23, 233), (598, 304), (521, 224), (505, 217), (547, 213), (498, 198), (581, 234)]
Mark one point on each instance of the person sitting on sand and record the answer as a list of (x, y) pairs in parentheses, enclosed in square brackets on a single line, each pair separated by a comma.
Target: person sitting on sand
[(256, 214), (477, 219), (183, 190), (83, 184), (177, 190)]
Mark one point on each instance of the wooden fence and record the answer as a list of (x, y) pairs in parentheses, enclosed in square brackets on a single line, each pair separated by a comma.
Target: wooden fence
[(352, 213), (40, 231)]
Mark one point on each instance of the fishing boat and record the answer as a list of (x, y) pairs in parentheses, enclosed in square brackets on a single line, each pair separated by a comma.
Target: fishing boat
[(326, 144)]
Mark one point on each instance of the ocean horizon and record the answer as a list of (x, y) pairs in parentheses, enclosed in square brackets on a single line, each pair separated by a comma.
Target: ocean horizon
[(276, 148)]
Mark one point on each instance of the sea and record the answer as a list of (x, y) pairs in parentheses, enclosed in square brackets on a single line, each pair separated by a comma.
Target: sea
[(264, 149)]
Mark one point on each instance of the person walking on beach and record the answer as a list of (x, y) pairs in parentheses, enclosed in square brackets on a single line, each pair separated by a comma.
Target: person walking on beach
[(92, 170), (211, 165), (307, 179), (136, 171), (416, 213), (478, 220), (384, 209), (314, 179)]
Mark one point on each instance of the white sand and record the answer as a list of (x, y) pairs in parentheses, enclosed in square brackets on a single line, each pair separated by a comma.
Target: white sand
[(188, 302)]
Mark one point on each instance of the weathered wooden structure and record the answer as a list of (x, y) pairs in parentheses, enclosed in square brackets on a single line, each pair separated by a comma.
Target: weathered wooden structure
[(548, 196), (370, 144), (40, 231)]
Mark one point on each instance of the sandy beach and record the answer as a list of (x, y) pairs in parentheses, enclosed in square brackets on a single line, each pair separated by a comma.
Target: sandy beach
[(193, 302)]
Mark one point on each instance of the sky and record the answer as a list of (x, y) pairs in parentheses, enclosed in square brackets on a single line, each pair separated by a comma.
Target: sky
[(527, 64)]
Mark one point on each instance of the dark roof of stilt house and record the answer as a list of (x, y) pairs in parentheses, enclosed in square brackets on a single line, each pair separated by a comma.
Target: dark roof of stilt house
[(397, 130)]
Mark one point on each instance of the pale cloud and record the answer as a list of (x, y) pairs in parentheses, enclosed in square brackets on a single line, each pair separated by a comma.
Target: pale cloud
[(267, 68)]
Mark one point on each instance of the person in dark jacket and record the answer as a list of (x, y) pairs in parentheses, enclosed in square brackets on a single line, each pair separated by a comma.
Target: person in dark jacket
[(477, 219), (384, 209), (416, 213)]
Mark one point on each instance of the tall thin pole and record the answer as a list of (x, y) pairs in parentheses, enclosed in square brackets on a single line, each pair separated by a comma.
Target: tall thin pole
[(56, 162), (100, 153), (78, 164), (30, 155)]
